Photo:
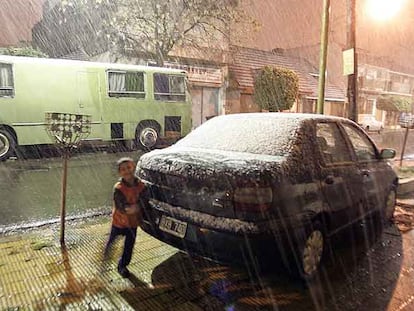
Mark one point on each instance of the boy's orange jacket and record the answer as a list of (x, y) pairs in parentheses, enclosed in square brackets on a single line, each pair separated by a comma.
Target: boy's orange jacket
[(125, 195)]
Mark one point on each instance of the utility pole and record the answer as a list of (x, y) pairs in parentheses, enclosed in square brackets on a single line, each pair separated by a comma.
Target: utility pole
[(323, 56), (352, 90)]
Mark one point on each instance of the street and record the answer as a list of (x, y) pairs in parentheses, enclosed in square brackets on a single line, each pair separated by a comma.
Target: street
[(30, 188)]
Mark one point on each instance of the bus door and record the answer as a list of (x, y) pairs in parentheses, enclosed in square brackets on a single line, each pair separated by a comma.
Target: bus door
[(89, 100)]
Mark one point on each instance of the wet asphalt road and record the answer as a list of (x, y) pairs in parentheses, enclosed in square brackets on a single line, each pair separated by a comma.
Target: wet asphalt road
[(30, 189)]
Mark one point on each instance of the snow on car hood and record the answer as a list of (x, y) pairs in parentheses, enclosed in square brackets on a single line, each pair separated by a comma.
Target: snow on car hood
[(201, 163)]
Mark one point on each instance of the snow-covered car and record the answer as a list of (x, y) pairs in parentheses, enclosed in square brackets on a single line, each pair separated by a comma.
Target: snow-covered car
[(369, 123), (266, 184), (406, 120)]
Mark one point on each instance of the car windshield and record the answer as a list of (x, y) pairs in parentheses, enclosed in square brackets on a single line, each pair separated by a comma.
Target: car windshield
[(243, 133)]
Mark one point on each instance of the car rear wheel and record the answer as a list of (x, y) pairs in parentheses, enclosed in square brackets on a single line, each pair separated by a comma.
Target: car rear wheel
[(311, 251), (7, 144)]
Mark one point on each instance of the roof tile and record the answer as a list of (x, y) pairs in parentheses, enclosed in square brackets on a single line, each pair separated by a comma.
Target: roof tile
[(245, 61)]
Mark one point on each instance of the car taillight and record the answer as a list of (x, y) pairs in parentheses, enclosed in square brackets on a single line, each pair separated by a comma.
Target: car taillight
[(252, 199)]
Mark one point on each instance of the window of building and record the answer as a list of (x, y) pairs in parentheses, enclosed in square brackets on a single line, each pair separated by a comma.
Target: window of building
[(169, 87), (363, 148), (6, 80), (126, 84), (331, 143)]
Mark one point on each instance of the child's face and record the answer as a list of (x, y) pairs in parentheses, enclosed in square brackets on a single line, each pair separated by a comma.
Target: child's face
[(127, 170)]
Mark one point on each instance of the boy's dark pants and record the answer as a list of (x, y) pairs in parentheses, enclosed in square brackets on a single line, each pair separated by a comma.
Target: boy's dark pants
[(130, 235)]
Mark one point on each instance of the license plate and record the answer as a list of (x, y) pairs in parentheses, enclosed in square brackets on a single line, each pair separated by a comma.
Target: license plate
[(173, 226)]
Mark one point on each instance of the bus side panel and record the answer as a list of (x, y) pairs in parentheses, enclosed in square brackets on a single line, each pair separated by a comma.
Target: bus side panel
[(130, 111), (40, 88), (89, 101)]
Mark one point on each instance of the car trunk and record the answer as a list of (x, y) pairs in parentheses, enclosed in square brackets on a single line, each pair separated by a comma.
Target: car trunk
[(211, 182)]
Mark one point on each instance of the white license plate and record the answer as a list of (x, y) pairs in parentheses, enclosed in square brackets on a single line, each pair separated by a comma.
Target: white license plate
[(173, 226)]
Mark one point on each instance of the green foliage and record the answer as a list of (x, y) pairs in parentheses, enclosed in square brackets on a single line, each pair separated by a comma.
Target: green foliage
[(38, 245), (275, 88), (22, 51), (394, 103)]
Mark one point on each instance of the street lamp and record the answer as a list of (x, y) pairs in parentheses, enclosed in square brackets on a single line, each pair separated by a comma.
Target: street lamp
[(384, 9), (66, 130)]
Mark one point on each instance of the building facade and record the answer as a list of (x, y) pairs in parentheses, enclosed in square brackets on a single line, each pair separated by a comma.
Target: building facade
[(244, 62), (375, 82)]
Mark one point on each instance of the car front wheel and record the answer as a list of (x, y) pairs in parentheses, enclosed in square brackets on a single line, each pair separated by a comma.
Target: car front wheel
[(389, 206)]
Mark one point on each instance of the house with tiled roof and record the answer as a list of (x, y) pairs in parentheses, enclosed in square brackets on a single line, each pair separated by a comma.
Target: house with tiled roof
[(243, 66)]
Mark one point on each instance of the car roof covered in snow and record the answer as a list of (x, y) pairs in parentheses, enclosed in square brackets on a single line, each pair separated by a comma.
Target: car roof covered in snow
[(283, 115), (257, 133)]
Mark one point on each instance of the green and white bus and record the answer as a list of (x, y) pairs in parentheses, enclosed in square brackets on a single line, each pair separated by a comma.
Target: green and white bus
[(126, 102)]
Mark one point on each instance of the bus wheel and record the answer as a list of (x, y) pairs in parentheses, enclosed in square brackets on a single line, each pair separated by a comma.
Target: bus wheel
[(147, 136), (7, 144)]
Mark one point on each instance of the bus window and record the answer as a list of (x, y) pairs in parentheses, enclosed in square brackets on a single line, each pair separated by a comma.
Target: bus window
[(169, 87), (126, 84), (6, 80)]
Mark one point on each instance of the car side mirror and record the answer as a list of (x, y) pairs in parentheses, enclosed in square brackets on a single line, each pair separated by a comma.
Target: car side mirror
[(387, 153)]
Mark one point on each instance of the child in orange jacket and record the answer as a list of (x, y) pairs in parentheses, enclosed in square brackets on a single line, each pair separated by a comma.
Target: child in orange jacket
[(126, 212)]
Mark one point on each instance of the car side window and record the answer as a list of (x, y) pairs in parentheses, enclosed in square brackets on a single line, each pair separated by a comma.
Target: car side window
[(331, 144), (363, 148)]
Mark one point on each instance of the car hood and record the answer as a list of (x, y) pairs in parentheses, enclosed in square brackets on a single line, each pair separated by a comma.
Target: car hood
[(203, 163)]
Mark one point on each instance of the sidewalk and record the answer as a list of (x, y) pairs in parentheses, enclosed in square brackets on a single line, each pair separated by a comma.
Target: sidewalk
[(36, 274)]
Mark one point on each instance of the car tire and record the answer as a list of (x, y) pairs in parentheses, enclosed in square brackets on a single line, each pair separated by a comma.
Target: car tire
[(7, 144), (311, 251), (367, 128), (389, 208), (147, 136)]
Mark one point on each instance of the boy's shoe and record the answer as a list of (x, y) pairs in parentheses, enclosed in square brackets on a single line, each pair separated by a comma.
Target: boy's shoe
[(123, 271)]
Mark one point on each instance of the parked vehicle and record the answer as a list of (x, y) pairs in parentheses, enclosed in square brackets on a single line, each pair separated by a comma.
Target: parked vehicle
[(126, 102), (406, 120), (261, 182), (369, 123)]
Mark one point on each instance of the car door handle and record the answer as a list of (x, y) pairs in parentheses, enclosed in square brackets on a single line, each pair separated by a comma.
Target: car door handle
[(329, 180)]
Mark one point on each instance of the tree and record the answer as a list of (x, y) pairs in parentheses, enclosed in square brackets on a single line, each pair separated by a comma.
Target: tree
[(22, 51), (393, 103), (154, 28), (275, 88)]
